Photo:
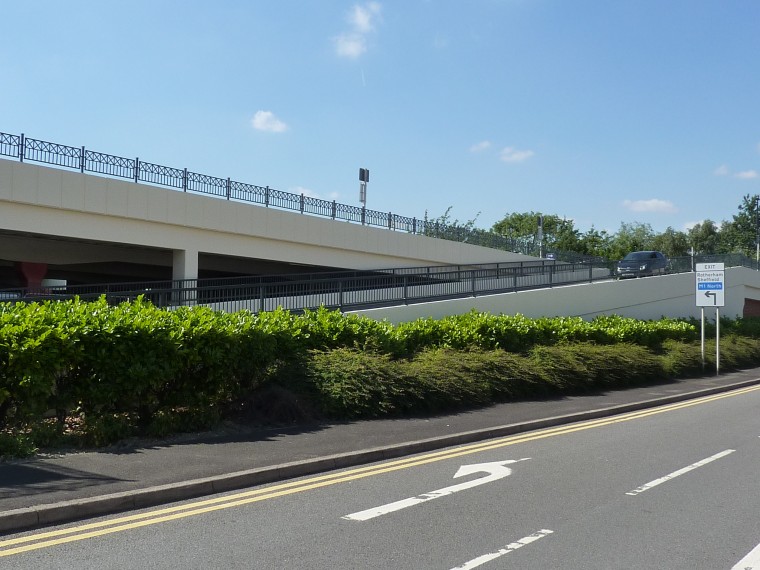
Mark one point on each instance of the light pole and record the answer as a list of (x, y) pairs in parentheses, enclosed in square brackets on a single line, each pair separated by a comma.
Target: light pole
[(363, 180), (757, 234)]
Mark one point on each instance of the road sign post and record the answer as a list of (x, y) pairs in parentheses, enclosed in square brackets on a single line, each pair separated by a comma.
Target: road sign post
[(709, 284)]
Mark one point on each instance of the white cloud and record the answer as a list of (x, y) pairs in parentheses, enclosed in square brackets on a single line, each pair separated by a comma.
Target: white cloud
[(350, 45), (266, 121), (361, 19), (481, 146), (511, 154), (653, 205), (688, 225), (722, 170), (747, 174)]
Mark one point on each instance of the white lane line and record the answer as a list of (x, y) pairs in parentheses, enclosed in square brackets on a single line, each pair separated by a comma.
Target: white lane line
[(675, 474), (749, 562), (511, 547)]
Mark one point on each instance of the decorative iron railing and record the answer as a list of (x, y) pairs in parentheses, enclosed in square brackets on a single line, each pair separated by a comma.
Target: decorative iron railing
[(353, 290), (79, 158)]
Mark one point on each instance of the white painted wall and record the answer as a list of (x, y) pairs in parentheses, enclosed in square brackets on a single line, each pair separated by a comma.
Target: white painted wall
[(647, 298), (63, 203)]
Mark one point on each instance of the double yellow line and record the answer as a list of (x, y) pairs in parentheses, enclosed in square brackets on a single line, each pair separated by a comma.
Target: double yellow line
[(91, 530)]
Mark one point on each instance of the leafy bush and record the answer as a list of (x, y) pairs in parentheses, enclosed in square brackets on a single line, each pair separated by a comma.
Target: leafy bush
[(136, 369)]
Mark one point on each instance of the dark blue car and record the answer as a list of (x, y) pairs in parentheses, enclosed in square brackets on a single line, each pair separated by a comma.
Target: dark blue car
[(642, 264)]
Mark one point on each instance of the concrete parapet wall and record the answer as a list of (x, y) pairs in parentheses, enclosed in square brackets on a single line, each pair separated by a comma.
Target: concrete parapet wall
[(54, 202), (647, 298)]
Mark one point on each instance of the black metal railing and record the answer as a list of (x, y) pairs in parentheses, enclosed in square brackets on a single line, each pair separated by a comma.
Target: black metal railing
[(28, 149), (352, 290)]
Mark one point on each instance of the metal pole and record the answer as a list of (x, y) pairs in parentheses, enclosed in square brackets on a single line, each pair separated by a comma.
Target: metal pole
[(702, 337), (757, 233), (717, 341)]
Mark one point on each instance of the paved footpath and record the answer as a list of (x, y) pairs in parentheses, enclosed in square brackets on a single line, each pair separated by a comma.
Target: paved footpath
[(64, 487)]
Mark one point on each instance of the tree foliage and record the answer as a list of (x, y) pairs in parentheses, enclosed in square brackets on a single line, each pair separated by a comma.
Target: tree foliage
[(738, 235)]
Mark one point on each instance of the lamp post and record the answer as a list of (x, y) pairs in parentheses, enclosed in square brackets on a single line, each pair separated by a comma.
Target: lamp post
[(363, 179), (757, 234)]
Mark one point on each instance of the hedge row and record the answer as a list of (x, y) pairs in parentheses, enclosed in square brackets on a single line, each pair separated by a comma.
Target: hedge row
[(352, 384), (138, 360)]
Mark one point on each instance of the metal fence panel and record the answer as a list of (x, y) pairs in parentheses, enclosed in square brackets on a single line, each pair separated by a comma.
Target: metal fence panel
[(10, 145), (52, 153), (317, 206), (161, 175), (248, 192), (109, 164), (348, 213), (284, 200), (206, 184)]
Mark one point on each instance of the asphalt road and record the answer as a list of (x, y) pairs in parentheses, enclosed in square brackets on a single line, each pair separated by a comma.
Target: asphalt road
[(666, 488)]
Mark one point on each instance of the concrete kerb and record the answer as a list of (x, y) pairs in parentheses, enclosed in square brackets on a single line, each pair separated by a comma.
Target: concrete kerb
[(67, 511)]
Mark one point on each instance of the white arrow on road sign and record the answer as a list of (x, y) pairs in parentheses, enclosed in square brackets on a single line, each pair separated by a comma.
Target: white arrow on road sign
[(495, 470)]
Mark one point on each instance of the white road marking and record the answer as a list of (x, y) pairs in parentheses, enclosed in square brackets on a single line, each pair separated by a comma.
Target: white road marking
[(496, 470), (675, 474), (749, 562), (511, 547)]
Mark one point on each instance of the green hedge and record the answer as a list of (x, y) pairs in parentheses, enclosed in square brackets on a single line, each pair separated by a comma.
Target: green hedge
[(134, 367)]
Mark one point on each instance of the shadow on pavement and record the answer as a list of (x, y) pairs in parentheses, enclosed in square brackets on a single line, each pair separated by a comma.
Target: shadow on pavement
[(28, 479)]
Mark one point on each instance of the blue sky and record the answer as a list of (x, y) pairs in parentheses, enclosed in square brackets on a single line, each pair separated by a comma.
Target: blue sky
[(604, 111)]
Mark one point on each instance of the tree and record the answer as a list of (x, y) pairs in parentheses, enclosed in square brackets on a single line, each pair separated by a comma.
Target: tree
[(567, 238), (704, 238), (630, 237), (596, 243), (559, 234), (672, 243), (739, 235), (446, 228)]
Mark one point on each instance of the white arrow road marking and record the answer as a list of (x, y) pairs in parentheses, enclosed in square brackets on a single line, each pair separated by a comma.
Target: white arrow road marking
[(495, 470), (675, 474), (749, 562), (511, 547)]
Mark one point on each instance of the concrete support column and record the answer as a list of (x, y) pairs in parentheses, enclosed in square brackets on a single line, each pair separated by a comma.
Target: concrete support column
[(185, 266)]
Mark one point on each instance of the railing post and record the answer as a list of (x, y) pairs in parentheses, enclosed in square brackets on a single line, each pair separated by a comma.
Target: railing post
[(228, 188), (390, 223), (81, 160), (137, 169), (364, 214), (266, 197), (406, 289), (340, 294), (21, 148), (414, 225), (302, 198), (334, 209), (472, 278)]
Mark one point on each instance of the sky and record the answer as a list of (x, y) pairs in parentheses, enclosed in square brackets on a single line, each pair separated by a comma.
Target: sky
[(600, 111)]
